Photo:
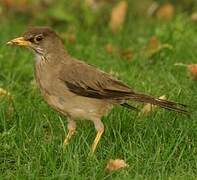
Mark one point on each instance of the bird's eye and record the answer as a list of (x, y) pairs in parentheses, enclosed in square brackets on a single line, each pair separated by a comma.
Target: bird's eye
[(38, 38)]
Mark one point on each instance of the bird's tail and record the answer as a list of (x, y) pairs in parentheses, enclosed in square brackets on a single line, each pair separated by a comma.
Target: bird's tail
[(178, 107)]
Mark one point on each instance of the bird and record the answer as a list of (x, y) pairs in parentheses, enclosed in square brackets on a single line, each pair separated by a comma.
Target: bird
[(76, 89)]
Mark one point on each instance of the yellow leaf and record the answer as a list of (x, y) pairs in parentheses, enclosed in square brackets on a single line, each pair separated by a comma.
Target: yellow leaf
[(194, 17), (165, 11), (3, 92), (114, 165), (110, 48), (153, 43), (118, 16)]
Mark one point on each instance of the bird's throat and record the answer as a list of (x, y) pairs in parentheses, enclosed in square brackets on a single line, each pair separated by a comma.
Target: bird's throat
[(38, 58)]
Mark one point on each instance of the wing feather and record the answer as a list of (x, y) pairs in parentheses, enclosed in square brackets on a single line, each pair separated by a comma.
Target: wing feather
[(85, 80)]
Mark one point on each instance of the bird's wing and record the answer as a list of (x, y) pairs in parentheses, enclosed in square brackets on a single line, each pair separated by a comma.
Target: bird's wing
[(85, 80)]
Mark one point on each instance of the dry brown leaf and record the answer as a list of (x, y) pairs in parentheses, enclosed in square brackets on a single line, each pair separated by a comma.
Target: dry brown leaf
[(18, 5), (118, 15), (149, 107), (153, 42), (194, 17), (114, 165), (192, 68), (165, 11), (7, 3), (126, 53), (154, 46), (110, 48), (71, 38)]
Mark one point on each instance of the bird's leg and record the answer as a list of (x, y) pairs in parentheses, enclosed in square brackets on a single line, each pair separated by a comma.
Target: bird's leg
[(100, 129), (71, 130)]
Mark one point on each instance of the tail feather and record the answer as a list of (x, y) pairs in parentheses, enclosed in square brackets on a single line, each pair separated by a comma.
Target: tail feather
[(178, 107), (129, 106)]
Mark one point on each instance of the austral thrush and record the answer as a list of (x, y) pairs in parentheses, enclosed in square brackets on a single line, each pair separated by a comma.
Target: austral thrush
[(76, 89)]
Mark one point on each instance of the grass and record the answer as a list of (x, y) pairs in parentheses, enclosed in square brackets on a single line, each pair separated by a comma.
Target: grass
[(162, 145)]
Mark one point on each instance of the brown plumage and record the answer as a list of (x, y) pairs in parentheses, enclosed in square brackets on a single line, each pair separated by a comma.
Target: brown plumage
[(106, 87), (76, 89)]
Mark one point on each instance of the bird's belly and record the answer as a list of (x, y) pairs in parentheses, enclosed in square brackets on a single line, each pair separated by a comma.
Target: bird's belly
[(79, 107)]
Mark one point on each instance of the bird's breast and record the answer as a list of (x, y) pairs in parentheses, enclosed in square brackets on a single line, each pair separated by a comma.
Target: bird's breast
[(57, 95), (44, 74)]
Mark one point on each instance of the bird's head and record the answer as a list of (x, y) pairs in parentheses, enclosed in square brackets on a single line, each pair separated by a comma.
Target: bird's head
[(41, 40)]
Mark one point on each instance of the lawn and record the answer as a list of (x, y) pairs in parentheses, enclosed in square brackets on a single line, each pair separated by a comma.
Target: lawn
[(160, 145)]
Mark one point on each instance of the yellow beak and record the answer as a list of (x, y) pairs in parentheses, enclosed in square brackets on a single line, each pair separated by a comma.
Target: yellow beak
[(20, 41)]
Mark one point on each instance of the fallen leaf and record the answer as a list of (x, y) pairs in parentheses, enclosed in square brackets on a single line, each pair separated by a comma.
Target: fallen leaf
[(71, 38), (165, 11), (192, 68), (118, 15), (114, 165), (194, 17), (149, 107), (126, 53), (17, 5), (110, 48), (153, 42), (7, 3), (152, 52), (154, 47), (4, 92)]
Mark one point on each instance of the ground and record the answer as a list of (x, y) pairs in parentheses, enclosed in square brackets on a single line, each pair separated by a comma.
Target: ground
[(160, 145)]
